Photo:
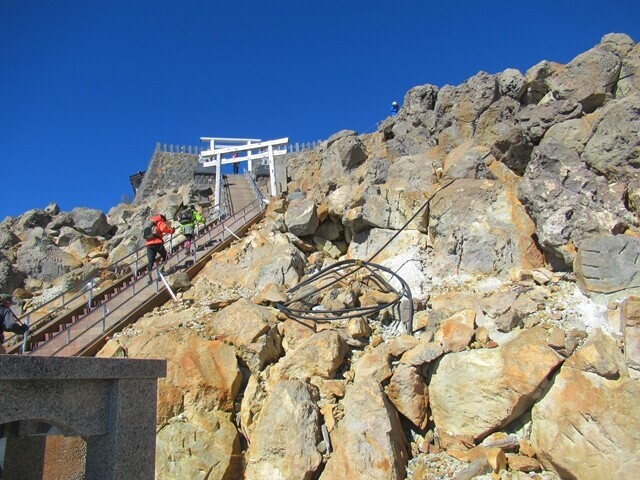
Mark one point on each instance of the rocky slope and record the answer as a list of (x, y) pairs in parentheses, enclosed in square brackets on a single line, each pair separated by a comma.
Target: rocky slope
[(44, 252), (524, 355)]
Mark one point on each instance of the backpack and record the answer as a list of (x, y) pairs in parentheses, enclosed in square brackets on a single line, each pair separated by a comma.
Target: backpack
[(185, 217), (150, 231)]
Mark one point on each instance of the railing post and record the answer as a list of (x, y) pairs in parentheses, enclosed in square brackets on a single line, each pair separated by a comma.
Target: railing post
[(136, 265), (90, 302), (104, 317), (27, 321)]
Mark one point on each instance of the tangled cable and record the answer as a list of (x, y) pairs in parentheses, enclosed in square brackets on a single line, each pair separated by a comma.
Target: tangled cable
[(304, 306)]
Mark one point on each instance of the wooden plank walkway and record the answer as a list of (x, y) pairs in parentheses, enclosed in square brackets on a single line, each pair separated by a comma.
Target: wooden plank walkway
[(78, 321)]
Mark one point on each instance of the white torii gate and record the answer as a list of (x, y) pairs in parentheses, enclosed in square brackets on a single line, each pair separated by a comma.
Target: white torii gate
[(252, 148)]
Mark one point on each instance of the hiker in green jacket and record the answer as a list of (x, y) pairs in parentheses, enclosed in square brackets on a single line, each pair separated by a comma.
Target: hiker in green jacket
[(188, 218)]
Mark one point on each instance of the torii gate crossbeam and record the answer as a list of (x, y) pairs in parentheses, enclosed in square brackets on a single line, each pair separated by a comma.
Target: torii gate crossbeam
[(255, 149)]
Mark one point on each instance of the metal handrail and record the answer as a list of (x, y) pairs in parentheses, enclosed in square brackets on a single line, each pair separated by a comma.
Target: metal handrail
[(224, 224), (86, 284), (259, 195), (199, 234)]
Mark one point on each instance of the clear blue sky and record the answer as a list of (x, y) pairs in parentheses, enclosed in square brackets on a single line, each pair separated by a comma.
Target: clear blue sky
[(87, 87)]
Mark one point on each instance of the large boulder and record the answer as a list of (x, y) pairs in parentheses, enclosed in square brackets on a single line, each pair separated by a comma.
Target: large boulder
[(629, 82), (64, 219), (573, 133), (620, 44), (375, 363), (198, 446), (410, 132), (478, 226), (536, 79), (511, 83), (91, 222), (468, 161), (459, 108), (384, 206), (369, 436), (587, 79), (265, 257), (30, 220), (614, 148), (414, 173), (38, 258), (339, 136), (498, 129), (125, 249), (7, 238), (168, 205), (284, 442), (320, 355), (349, 151), (76, 243), (607, 264), (251, 329), (599, 354), (476, 392), (568, 202), (588, 426), (419, 100), (536, 120), (408, 391), (201, 374), (52, 208), (301, 217)]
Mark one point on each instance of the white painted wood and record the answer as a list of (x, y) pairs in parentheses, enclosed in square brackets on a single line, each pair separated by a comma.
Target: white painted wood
[(272, 172), (263, 150), (218, 185), (245, 148), (230, 140)]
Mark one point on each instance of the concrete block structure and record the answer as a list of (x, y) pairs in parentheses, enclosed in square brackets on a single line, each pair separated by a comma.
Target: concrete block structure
[(110, 403)]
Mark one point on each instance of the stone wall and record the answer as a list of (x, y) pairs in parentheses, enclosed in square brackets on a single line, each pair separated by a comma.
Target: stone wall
[(166, 170)]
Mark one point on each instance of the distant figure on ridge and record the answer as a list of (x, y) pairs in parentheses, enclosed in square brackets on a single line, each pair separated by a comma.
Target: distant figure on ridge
[(394, 108), (236, 165), (8, 320), (153, 233), (188, 218)]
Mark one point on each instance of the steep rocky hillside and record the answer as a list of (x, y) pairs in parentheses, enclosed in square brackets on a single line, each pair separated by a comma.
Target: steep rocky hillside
[(508, 208)]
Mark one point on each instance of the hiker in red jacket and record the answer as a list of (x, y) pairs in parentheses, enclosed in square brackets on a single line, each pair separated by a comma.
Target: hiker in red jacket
[(153, 236), (8, 320)]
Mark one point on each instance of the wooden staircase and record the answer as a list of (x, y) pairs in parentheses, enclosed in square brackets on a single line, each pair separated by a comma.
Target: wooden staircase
[(82, 326)]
